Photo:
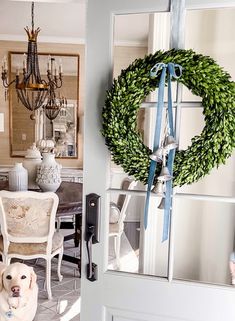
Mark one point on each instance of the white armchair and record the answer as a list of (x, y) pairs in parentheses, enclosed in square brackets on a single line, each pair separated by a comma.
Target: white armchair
[(118, 213), (28, 229)]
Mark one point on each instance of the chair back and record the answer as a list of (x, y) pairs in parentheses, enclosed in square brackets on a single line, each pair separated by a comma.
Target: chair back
[(123, 200), (27, 217)]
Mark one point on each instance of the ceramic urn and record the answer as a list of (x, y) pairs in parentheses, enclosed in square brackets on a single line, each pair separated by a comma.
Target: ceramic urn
[(32, 159), (48, 173)]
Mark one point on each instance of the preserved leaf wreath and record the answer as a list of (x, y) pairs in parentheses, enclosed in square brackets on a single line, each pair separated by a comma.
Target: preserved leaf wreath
[(205, 78)]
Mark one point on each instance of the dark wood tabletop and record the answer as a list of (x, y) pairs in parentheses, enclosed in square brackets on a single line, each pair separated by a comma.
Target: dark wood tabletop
[(70, 197)]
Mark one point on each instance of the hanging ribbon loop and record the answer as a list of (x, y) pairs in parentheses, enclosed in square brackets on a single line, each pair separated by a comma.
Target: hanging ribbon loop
[(173, 68), (156, 68)]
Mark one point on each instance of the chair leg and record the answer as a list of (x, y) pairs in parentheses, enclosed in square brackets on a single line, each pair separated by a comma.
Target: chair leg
[(117, 246), (58, 222), (60, 276), (48, 278), (3, 258), (78, 229), (6, 260)]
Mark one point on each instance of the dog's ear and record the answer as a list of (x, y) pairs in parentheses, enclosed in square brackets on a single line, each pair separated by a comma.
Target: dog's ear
[(2, 269), (33, 278)]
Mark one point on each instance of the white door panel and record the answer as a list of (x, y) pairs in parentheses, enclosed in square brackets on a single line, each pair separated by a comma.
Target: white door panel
[(117, 296), (160, 300)]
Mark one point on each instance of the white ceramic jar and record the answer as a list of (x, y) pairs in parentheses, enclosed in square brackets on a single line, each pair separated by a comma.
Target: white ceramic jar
[(18, 178), (33, 158), (48, 173)]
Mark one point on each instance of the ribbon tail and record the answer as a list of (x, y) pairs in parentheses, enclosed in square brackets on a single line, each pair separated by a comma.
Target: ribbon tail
[(170, 161), (168, 198)]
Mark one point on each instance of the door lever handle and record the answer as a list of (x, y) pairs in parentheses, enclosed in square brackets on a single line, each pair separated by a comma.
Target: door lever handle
[(91, 267)]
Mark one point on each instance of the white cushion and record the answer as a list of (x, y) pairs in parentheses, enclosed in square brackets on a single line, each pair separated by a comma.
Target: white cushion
[(33, 248)]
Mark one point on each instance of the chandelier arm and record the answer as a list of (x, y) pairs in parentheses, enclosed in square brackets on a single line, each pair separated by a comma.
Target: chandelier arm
[(44, 82), (60, 81), (55, 82), (49, 76), (59, 85), (7, 84)]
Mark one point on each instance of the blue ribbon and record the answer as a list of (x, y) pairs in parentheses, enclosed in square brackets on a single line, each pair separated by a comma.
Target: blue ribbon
[(170, 161), (168, 200), (153, 73)]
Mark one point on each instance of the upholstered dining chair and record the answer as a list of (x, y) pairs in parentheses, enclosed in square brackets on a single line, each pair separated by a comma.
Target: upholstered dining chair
[(27, 222), (117, 216)]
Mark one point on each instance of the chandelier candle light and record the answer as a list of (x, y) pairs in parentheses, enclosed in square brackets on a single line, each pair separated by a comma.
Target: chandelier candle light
[(164, 150), (31, 89)]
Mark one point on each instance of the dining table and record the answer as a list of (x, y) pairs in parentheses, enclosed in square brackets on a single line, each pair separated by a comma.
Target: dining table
[(70, 204)]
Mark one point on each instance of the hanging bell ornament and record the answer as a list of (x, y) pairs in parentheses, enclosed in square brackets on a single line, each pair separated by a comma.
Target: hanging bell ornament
[(161, 205), (159, 189), (170, 142), (157, 155), (164, 175)]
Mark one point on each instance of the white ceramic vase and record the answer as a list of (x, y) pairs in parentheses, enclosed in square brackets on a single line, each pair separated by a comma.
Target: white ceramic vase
[(33, 158), (48, 173), (18, 178)]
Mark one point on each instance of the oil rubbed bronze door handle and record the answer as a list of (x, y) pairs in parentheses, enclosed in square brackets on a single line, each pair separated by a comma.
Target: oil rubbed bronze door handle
[(92, 231)]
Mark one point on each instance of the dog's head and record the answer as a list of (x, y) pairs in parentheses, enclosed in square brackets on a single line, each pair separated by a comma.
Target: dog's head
[(17, 279)]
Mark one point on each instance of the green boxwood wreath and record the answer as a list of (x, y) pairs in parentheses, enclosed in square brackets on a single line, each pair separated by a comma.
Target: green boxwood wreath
[(205, 78)]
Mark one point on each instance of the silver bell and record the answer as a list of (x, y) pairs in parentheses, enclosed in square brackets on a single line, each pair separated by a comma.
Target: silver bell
[(157, 155), (159, 189), (170, 142), (161, 205), (165, 175)]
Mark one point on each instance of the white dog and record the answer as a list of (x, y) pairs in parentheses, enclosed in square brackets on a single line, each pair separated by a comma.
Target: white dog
[(18, 292)]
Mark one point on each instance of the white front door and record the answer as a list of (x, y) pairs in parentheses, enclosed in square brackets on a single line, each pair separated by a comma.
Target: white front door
[(115, 295)]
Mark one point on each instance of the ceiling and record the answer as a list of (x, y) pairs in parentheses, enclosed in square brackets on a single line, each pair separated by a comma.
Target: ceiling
[(63, 21)]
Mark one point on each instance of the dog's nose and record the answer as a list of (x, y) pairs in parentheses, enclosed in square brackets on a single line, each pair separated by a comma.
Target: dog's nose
[(15, 291)]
